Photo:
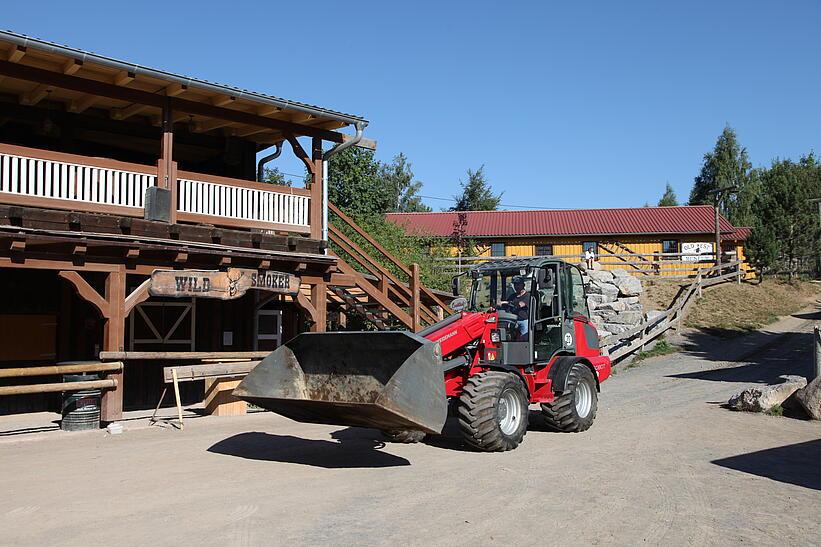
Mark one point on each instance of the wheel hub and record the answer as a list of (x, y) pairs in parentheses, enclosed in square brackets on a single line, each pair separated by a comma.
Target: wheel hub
[(510, 412), (584, 399)]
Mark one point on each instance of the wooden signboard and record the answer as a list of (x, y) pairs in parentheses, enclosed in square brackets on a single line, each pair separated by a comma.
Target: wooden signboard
[(225, 285)]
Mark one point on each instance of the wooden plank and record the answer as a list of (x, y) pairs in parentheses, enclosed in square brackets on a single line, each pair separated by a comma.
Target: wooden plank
[(219, 401), (190, 373), (56, 388), (54, 370), (227, 285), (179, 355)]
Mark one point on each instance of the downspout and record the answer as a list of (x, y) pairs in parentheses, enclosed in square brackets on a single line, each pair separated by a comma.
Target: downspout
[(262, 161), (360, 128)]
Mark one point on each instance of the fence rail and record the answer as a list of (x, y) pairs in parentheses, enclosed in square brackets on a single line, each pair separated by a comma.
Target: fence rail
[(623, 344), (666, 265)]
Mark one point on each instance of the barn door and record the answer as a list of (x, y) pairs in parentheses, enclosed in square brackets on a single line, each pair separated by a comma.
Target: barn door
[(170, 325)]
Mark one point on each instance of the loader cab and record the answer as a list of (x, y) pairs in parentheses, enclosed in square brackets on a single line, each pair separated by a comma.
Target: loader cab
[(556, 301)]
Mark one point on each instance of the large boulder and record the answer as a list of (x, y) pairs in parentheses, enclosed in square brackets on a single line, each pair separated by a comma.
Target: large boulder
[(763, 398), (628, 286), (601, 275), (631, 318), (600, 298), (614, 328), (619, 272), (618, 306), (607, 289), (810, 398)]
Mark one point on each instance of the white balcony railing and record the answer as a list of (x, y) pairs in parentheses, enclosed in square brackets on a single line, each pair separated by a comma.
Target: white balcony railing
[(247, 203), (49, 177)]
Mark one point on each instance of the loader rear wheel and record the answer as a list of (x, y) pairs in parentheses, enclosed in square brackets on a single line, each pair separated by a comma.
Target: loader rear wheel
[(493, 411), (404, 436), (575, 409)]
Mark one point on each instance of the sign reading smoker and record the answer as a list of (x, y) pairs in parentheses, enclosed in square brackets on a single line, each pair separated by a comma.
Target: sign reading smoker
[(225, 285)]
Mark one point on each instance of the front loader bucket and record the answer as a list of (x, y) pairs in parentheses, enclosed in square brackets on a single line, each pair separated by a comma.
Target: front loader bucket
[(386, 380)]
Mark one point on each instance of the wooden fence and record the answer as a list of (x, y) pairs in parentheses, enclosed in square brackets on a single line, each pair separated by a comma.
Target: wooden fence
[(666, 265), (635, 339)]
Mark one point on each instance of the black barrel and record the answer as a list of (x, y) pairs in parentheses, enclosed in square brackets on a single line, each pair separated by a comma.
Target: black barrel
[(81, 409)]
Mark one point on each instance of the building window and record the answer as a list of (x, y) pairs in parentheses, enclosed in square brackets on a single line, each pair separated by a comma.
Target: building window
[(497, 249), (590, 246), (544, 249), (669, 246)]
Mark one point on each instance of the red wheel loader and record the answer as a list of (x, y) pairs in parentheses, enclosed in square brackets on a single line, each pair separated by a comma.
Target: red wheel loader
[(522, 337)]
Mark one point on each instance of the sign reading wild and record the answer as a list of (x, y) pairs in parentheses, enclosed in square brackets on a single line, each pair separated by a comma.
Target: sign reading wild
[(225, 285)]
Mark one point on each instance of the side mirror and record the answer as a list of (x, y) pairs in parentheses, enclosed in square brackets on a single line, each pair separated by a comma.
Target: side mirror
[(455, 285), (459, 304)]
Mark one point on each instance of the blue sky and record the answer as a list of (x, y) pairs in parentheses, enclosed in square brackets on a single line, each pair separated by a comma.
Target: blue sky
[(572, 104)]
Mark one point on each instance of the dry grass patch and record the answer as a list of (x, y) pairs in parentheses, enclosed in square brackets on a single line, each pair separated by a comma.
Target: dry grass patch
[(731, 309)]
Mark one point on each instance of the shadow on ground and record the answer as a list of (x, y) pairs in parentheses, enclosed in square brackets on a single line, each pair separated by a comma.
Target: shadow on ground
[(761, 356), (793, 464), (352, 448)]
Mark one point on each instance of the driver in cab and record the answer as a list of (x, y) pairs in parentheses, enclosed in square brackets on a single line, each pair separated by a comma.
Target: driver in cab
[(519, 303)]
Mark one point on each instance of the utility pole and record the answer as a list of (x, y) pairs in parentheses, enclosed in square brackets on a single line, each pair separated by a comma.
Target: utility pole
[(720, 194)]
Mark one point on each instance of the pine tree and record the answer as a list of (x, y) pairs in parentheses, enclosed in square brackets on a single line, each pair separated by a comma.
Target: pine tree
[(398, 179), (726, 166), (477, 195), (669, 198)]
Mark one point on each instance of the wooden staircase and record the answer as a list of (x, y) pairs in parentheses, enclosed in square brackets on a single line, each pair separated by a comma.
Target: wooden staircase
[(625, 249), (378, 293)]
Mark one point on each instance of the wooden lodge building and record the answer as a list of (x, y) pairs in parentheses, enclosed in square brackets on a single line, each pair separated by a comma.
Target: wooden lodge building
[(669, 240), (110, 171)]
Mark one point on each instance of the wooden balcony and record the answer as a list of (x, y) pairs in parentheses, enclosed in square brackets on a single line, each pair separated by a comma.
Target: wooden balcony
[(55, 180)]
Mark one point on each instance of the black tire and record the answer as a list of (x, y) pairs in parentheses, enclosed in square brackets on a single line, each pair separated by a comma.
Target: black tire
[(563, 413), (404, 436), (483, 407)]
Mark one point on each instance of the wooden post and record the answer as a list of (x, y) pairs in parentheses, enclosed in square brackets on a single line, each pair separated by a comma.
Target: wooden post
[(218, 400), (316, 189), (717, 250), (414, 287), (113, 340), (319, 300), (816, 340)]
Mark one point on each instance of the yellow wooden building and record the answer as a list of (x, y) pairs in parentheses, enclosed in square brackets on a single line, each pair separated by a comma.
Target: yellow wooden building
[(671, 241)]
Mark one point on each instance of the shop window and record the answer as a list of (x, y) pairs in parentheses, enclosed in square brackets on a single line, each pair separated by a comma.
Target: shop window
[(544, 249), (591, 246), (497, 249), (669, 246)]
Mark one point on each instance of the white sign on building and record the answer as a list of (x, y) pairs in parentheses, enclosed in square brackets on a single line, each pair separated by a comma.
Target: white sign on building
[(695, 252)]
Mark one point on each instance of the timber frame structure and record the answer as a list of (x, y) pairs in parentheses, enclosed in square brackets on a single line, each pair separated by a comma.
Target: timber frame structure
[(110, 170)]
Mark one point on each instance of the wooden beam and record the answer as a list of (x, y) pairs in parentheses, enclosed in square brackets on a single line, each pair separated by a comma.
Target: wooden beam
[(87, 292), (16, 53), (127, 112), (81, 105), (223, 100), (175, 89), (124, 77), (36, 95), (301, 154), (210, 125), (103, 89), (268, 110), (251, 131), (72, 66), (137, 296), (181, 257)]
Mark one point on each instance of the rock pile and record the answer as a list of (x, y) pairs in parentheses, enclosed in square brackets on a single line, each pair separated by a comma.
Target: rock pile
[(613, 299)]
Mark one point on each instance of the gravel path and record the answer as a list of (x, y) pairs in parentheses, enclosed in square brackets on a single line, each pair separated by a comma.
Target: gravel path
[(663, 464)]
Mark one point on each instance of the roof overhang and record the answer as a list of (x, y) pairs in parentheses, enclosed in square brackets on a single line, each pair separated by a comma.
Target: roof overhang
[(36, 71)]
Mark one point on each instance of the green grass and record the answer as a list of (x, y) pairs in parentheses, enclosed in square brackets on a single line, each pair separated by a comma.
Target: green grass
[(662, 347), (777, 410)]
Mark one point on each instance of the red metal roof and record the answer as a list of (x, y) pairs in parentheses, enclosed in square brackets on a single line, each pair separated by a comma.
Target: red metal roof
[(685, 219)]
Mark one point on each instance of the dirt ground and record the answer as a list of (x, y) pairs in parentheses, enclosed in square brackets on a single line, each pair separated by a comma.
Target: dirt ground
[(663, 464)]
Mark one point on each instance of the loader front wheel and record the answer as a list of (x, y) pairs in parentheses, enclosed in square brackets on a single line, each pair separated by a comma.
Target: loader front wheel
[(575, 409), (493, 411), (404, 436)]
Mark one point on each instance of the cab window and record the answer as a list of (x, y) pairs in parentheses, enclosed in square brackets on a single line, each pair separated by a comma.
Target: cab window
[(576, 301)]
